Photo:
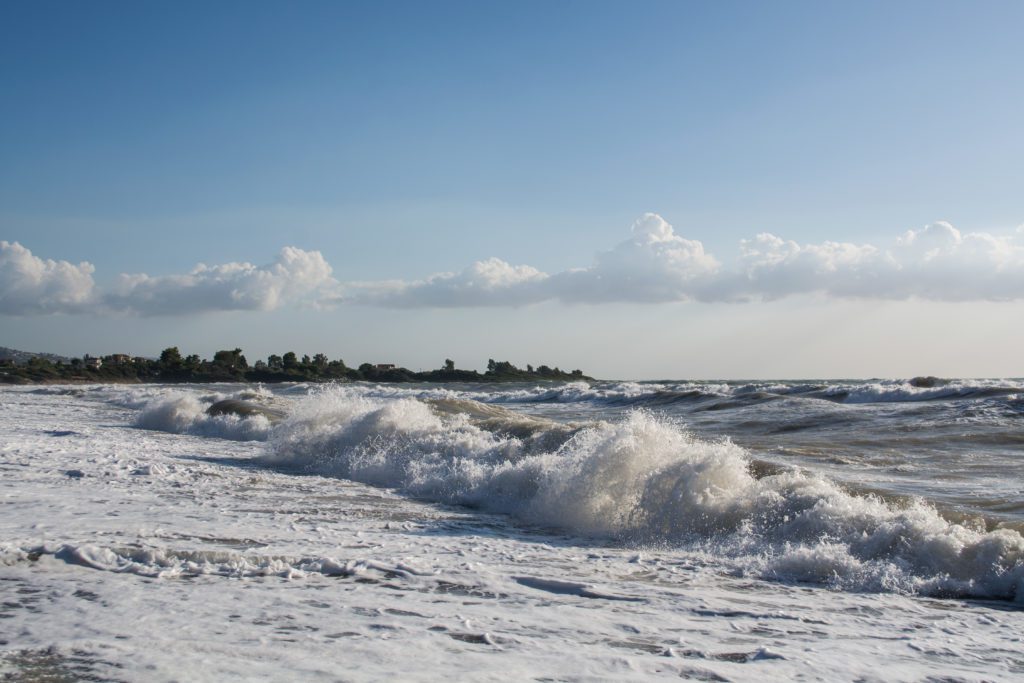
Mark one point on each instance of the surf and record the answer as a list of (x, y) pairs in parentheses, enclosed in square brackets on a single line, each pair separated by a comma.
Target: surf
[(645, 480)]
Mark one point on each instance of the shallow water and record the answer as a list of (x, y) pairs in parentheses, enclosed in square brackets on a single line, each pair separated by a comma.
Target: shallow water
[(716, 531)]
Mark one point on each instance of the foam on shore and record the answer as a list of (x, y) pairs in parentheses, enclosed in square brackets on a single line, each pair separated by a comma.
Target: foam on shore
[(646, 480)]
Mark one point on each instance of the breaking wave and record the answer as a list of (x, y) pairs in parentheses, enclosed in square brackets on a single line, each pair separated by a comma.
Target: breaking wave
[(720, 394), (169, 563), (646, 480), (907, 391), (182, 413), (727, 395)]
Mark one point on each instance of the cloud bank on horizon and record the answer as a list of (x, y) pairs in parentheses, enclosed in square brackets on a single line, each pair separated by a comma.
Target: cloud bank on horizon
[(296, 276), (32, 286), (655, 265)]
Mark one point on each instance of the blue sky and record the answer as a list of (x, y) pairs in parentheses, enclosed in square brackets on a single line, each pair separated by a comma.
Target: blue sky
[(402, 140)]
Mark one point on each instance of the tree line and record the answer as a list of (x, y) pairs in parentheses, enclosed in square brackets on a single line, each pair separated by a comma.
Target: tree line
[(231, 365)]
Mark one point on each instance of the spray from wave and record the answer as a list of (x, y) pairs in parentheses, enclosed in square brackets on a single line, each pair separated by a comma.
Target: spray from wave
[(182, 413), (646, 480), (721, 395)]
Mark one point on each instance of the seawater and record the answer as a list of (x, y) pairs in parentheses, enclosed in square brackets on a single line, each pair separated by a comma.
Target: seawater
[(585, 531), (877, 486)]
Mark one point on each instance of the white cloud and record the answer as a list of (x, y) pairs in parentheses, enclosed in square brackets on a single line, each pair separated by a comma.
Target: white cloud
[(295, 276), (30, 285), (941, 263), (492, 282), (771, 267), (655, 264), (936, 262)]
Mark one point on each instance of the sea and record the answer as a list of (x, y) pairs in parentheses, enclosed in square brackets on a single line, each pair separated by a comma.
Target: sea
[(832, 530)]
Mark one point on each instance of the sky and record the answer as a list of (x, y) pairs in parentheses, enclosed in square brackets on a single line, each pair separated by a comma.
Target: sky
[(640, 190)]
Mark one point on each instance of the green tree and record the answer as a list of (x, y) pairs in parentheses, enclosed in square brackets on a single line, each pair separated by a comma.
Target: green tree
[(320, 361), (502, 367), (233, 359), (449, 365), (275, 362), (289, 360), (170, 357)]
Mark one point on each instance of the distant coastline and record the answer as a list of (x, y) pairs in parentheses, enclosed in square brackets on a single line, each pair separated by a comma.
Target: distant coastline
[(232, 366)]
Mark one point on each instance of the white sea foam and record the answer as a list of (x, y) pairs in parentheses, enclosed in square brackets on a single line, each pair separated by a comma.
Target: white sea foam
[(624, 393), (646, 480), (158, 562), (186, 414), (130, 555), (890, 391), (608, 393), (660, 393)]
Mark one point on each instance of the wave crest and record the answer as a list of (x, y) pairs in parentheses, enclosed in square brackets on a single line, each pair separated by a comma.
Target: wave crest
[(186, 414), (646, 480)]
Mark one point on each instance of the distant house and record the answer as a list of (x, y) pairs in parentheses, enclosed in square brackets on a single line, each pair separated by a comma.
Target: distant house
[(6, 362), (385, 366), (93, 363), (120, 359)]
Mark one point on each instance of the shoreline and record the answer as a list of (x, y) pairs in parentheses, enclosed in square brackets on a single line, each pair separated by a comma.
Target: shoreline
[(232, 366), (23, 381)]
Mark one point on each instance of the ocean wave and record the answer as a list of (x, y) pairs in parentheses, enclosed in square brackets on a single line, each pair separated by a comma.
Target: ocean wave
[(712, 395), (610, 393), (155, 562), (644, 479), (900, 391), (58, 390), (729, 395), (184, 413)]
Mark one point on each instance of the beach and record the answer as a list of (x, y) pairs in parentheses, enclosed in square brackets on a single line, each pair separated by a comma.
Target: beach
[(581, 531)]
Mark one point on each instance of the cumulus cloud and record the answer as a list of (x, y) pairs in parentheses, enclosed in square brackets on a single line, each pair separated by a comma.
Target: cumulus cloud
[(936, 262), (30, 285), (492, 282), (771, 267), (655, 264), (296, 275), (941, 263)]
